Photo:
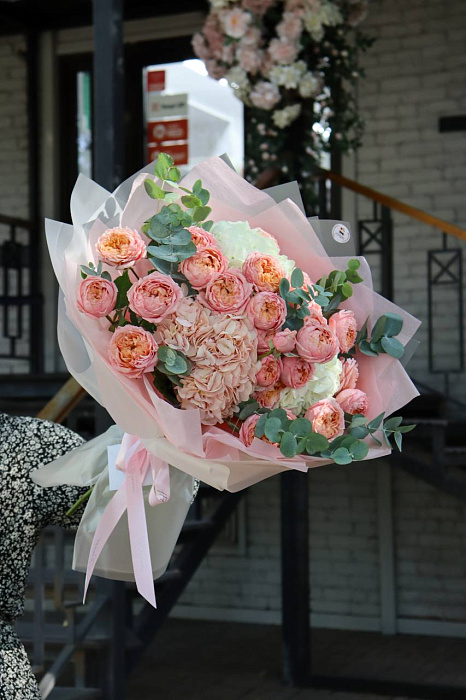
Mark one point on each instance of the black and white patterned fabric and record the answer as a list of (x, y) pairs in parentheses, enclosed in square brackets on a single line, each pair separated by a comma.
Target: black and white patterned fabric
[(26, 509)]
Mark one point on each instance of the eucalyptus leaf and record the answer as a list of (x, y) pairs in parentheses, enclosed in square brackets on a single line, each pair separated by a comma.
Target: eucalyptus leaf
[(346, 290), (353, 264), (379, 329), (359, 451), (376, 422), (162, 252), (191, 201), (288, 445), (297, 278), (182, 237), (273, 427), (365, 348), (393, 325), (393, 347), (248, 410), (300, 427), (358, 431), (201, 213), (342, 456), (153, 190), (315, 442), (260, 426), (123, 284), (399, 440), (393, 423), (284, 287)]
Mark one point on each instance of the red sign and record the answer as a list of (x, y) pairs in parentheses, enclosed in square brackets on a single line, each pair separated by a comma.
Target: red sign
[(155, 80), (173, 130), (179, 152)]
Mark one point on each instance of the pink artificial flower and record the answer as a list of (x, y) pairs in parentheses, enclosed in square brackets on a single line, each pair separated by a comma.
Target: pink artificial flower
[(269, 397), (200, 47), (349, 375), (121, 247), (343, 324), (202, 238), (227, 292), (215, 69), (296, 372), (247, 431), (250, 59), (235, 22), (154, 297), (290, 27), (316, 343), (203, 265), (265, 95), (315, 315), (327, 418), (263, 338), (283, 51), (267, 311), (264, 271), (132, 351), (285, 341), (353, 401), (96, 297), (269, 372), (252, 37)]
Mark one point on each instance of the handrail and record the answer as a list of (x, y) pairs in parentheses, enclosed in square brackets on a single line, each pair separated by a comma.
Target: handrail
[(60, 405), (392, 203), (16, 221)]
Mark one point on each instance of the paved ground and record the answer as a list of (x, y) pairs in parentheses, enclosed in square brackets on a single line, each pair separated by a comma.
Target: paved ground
[(223, 661)]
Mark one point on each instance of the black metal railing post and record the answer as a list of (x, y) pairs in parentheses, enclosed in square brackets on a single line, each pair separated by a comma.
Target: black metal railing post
[(387, 253)]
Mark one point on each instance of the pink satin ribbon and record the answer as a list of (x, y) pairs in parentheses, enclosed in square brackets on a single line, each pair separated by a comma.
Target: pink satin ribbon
[(135, 461)]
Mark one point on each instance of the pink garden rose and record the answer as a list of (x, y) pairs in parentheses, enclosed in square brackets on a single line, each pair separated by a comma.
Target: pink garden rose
[(349, 374), (268, 398), (264, 271), (96, 297), (316, 343), (247, 431), (296, 372), (353, 401), (201, 238), (263, 339), (315, 315), (121, 247), (267, 311), (285, 341), (283, 51), (343, 324), (203, 265), (236, 22), (154, 297), (227, 292), (250, 59), (265, 95), (269, 372), (133, 351), (290, 27), (327, 418)]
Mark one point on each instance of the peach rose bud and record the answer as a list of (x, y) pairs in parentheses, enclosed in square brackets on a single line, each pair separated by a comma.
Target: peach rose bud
[(296, 372), (154, 297), (353, 401), (316, 343), (227, 292), (267, 311), (263, 338), (269, 372), (121, 247), (349, 374), (327, 418), (343, 324), (248, 430), (263, 271), (268, 398), (201, 238), (203, 265), (96, 297), (285, 341), (132, 351)]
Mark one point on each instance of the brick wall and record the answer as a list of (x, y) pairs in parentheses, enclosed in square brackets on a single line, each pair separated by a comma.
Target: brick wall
[(13, 128)]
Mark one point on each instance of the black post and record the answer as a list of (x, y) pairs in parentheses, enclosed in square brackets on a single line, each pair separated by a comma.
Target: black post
[(108, 164), (387, 253), (295, 578)]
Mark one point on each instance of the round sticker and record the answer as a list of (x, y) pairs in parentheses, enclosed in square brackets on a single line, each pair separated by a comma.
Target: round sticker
[(340, 233)]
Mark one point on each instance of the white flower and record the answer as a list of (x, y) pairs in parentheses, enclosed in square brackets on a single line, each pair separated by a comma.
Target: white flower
[(284, 117), (235, 22), (236, 240), (219, 4), (330, 15), (287, 76), (324, 384), (313, 24), (293, 400), (237, 78), (309, 85), (265, 95)]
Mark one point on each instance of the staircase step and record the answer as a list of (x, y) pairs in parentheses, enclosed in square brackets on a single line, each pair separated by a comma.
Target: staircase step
[(75, 694), (455, 456)]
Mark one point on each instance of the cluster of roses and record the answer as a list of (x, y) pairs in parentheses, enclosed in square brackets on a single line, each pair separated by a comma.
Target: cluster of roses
[(230, 327), (270, 69)]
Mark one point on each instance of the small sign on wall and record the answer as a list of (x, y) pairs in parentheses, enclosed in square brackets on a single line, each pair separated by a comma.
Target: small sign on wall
[(178, 151), (155, 80), (167, 130), (167, 126)]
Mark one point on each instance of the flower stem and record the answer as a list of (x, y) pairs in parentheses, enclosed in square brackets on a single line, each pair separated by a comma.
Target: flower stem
[(82, 499), (134, 273)]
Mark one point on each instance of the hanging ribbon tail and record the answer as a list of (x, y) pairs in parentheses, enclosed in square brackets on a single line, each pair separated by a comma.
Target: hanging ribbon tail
[(160, 491)]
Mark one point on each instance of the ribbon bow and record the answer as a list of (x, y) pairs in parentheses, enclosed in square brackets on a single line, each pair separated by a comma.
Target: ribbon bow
[(135, 461)]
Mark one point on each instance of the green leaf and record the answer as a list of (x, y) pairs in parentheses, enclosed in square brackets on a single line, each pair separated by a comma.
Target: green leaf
[(175, 175), (358, 431), (362, 333), (379, 329), (377, 347), (88, 270), (393, 347), (353, 277), (393, 423), (273, 427), (197, 187), (165, 353), (186, 251), (398, 440), (300, 427), (346, 290), (162, 252), (284, 287), (153, 190), (359, 451), (204, 196), (83, 275), (190, 201), (180, 366), (279, 413), (358, 419), (366, 349), (260, 426), (201, 213), (342, 456), (316, 442), (157, 230), (163, 266), (165, 387), (288, 445), (393, 325), (376, 422), (248, 410), (182, 237), (106, 276), (207, 225), (293, 298), (406, 428), (123, 284), (297, 278), (353, 264)]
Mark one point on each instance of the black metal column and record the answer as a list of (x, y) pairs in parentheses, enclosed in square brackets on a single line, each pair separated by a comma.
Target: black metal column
[(295, 578)]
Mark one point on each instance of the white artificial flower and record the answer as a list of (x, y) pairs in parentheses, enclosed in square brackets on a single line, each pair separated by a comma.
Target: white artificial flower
[(284, 117), (287, 76), (309, 85), (219, 4), (313, 24), (238, 78), (293, 400), (236, 240), (324, 383), (330, 15), (235, 22)]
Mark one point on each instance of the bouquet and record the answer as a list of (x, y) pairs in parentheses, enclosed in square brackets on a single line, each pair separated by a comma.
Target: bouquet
[(186, 314)]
